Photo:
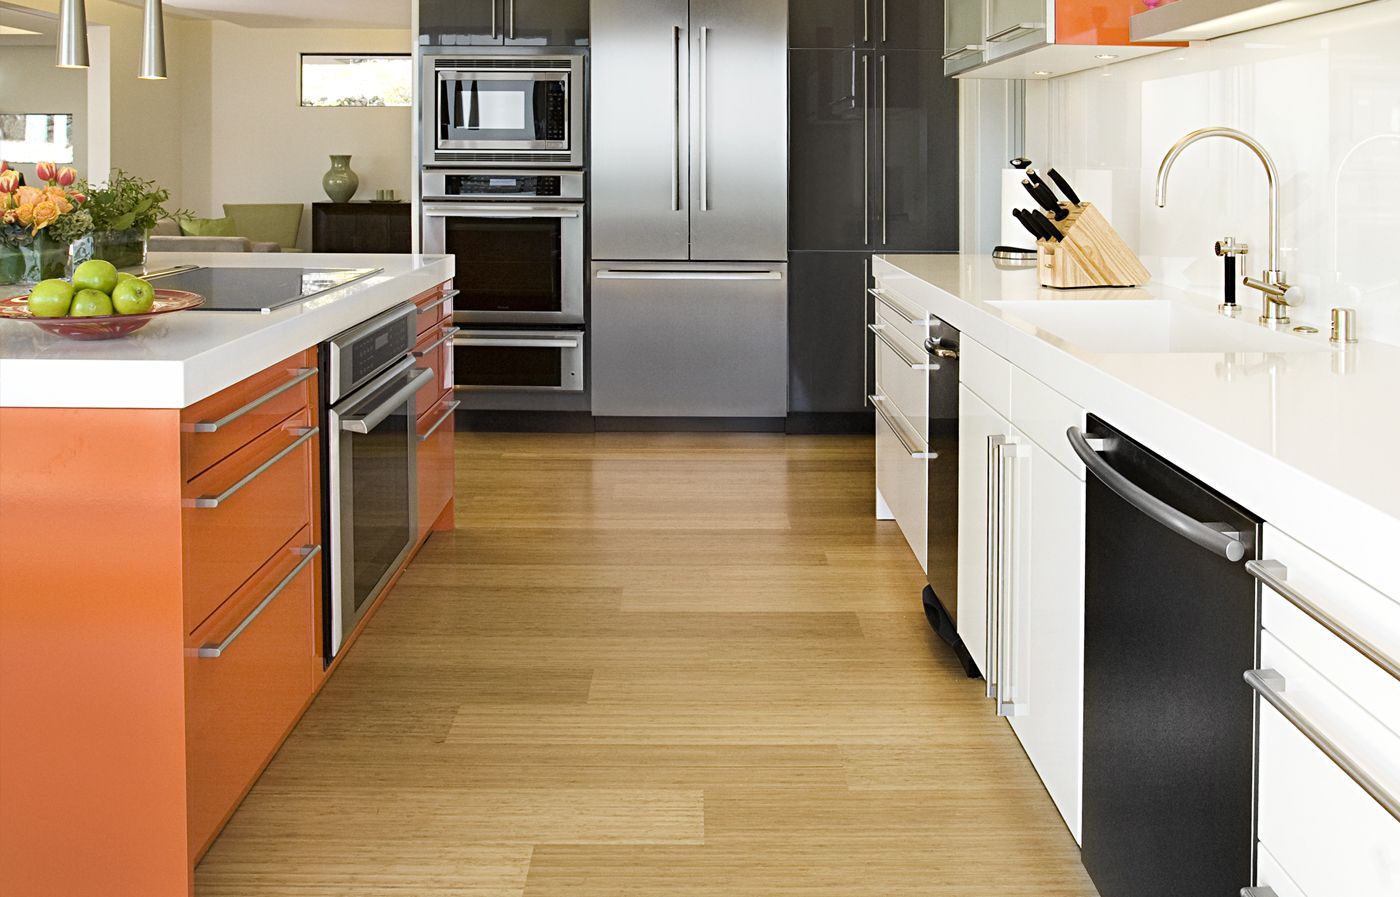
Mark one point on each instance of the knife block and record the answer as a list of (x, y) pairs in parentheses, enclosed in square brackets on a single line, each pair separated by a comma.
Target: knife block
[(1091, 254)]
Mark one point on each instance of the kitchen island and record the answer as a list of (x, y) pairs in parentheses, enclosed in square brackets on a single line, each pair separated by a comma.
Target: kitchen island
[(162, 536)]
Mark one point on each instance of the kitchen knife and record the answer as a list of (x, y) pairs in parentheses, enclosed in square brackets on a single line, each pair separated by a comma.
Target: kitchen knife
[(1046, 200), (1041, 225), (1065, 188), (1050, 228), (1020, 216), (1021, 162)]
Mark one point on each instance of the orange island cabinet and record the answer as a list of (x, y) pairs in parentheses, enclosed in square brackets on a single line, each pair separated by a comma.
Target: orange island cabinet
[(155, 651)]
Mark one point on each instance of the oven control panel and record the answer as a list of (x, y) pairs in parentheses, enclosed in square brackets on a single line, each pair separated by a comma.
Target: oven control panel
[(457, 184)]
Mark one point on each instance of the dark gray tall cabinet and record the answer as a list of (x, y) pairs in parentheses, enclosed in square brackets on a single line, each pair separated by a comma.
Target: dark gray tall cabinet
[(873, 133)]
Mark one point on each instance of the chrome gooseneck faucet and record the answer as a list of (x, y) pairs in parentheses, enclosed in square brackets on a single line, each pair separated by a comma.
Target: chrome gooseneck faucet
[(1278, 293)]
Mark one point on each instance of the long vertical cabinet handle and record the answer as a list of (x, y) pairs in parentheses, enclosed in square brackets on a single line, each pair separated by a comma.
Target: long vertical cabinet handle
[(493, 18), (510, 19), (993, 589), (884, 20), (704, 118), (884, 153), (865, 133), (676, 123), (865, 27), (1011, 554)]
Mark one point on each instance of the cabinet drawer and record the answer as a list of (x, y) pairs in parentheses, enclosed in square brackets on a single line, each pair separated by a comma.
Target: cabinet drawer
[(1044, 415), (437, 468), (901, 375), (1323, 830), (910, 320), (434, 307), (434, 350), (902, 479), (987, 374), (223, 423), (241, 703), (243, 510)]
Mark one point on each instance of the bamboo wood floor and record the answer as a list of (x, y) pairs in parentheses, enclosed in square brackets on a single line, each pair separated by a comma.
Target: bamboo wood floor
[(647, 665)]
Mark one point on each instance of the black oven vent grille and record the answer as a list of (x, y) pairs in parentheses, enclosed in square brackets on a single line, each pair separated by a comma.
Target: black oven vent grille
[(531, 63), (561, 158)]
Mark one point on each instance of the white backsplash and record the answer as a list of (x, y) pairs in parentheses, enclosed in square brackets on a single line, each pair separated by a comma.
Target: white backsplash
[(1321, 94)]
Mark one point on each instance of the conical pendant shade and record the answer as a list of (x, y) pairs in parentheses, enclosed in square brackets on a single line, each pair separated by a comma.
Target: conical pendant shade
[(72, 35), (153, 42)]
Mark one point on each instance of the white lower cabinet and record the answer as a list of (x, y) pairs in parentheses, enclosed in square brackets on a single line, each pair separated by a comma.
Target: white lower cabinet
[(1021, 586)]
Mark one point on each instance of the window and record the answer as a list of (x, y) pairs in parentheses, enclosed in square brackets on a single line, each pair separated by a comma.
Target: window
[(355, 79), (29, 138)]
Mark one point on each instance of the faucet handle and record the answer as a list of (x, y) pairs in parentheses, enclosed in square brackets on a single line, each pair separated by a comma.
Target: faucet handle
[(1228, 248)]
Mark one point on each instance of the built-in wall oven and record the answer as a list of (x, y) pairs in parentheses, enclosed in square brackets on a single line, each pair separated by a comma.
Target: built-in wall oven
[(370, 382), (517, 109)]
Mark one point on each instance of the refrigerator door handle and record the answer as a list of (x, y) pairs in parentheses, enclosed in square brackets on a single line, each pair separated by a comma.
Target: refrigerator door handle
[(629, 274), (1215, 538), (676, 122), (704, 118)]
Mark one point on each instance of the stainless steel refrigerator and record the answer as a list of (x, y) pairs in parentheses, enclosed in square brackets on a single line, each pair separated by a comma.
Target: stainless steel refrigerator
[(689, 208)]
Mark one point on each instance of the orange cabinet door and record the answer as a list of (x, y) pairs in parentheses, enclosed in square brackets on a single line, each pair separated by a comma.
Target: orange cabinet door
[(223, 423), (434, 350), (434, 307), (437, 467), (248, 676), (241, 511)]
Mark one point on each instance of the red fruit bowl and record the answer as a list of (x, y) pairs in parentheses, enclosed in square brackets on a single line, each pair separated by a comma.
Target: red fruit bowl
[(102, 326)]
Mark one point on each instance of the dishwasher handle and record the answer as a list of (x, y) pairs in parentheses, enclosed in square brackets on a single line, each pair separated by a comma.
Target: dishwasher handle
[(1228, 545)]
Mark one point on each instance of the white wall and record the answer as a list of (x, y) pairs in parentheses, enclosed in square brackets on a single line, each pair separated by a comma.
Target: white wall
[(248, 139), (30, 83), (1322, 95)]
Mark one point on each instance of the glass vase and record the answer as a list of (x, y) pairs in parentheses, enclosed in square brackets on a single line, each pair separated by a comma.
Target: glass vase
[(40, 259), (123, 248)]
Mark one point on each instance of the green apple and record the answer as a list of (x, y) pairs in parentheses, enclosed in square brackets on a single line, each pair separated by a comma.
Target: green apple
[(50, 299), (133, 297), (91, 304), (122, 277), (96, 275)]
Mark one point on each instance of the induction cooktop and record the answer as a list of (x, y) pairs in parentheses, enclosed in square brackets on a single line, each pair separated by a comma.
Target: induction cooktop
[(256, 289)]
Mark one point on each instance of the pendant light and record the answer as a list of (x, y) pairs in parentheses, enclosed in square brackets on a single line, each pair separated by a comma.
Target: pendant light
[(153, 42), (72, 35)]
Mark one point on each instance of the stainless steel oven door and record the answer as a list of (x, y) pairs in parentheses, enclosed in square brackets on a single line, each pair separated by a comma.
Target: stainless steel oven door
[(534, 360), (373, 491), (517, 263)]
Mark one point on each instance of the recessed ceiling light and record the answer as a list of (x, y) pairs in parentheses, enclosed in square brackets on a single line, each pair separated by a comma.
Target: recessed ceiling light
[(1107, 56), (10, 29), (1041, 74)]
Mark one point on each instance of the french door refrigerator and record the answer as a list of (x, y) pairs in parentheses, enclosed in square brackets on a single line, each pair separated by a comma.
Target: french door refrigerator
[(689, 209)]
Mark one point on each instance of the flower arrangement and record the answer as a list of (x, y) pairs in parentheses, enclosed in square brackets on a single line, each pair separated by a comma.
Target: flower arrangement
[(55, 209)]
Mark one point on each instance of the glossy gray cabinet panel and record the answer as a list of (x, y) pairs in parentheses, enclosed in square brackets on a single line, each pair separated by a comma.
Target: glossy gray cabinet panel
[(545, 23), (485, 23), (828, 352), (459, 23), (866, 24), (833, 144), (689, 340), (738, 151), (916, 196), (640, 129)]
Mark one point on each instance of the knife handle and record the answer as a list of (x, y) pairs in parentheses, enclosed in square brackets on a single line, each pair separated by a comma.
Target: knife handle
[(1046, 200), (1065, 188), (1020, 216)]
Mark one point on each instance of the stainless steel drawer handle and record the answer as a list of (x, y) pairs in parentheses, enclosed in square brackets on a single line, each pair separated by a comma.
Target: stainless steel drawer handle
[(213, 501), (299, 376), (1015, 31), (1275, 575), (446, 416), (912, 362), (521, 343), (1258, 892), (428, 349), (918, 317), (365, 423), (625, 274), (1228, 545), (1269, 684), (446, 298), (908, 440), (308, 553), (960, 52)]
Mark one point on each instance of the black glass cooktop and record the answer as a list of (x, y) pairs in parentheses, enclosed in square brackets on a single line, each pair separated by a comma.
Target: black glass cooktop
[(257, 289)]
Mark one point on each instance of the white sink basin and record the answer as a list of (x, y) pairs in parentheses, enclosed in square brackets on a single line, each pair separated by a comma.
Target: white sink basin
[(1151, 326)]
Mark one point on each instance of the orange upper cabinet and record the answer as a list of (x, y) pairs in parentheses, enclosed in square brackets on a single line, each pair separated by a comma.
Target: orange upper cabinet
[(1037, 38)]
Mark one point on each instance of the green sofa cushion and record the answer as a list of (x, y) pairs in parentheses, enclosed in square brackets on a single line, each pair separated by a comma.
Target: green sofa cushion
[(208, 227)]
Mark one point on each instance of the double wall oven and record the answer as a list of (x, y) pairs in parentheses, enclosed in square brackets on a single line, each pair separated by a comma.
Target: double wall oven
[(503, 193)]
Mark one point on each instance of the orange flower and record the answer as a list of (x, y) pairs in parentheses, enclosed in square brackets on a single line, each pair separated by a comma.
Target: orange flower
[(45, 213), (24, 214), (27, 196)]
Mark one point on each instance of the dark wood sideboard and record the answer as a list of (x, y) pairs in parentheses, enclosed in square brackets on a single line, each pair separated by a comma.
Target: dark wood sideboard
[(361, 227)]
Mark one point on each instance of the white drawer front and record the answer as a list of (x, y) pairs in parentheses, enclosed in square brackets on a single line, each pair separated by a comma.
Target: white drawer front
[(903, 483), (895, 379), (1044, 415), (1321, 828), (910, 319), (987, 374)]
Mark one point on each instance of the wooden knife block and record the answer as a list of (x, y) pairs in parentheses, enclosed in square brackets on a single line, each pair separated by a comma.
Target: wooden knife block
[(1092, 254)]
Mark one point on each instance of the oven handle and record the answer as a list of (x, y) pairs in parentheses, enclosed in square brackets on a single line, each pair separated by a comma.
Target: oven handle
[(365, 423), (516, 342), (501, 211)]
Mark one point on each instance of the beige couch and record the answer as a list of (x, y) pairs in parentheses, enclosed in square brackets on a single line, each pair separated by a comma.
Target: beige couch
[(166, 237)]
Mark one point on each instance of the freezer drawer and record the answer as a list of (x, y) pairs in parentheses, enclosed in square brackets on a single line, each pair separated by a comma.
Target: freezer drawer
[(694, 340)]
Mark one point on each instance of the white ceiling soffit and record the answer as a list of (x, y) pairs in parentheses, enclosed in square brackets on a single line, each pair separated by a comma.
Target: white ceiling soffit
[(298, 13), (14, 21)]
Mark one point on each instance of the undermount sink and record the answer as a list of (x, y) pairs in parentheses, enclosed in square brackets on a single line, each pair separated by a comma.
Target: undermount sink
[(1151, 326)]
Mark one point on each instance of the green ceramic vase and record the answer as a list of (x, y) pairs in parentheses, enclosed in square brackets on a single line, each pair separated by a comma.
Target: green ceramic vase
[(340, 182)]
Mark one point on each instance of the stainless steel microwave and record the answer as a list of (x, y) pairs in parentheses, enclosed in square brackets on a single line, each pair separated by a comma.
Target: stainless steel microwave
[(502, 109)]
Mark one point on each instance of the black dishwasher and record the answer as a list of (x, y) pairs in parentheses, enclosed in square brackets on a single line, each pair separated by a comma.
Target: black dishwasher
[(1169, 631)]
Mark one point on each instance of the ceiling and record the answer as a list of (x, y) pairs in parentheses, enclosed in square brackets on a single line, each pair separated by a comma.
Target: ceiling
[(13, 19), (297, 13)]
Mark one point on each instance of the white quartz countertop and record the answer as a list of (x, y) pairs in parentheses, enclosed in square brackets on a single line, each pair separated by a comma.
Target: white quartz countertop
[(179, 359), (1305, 439)]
